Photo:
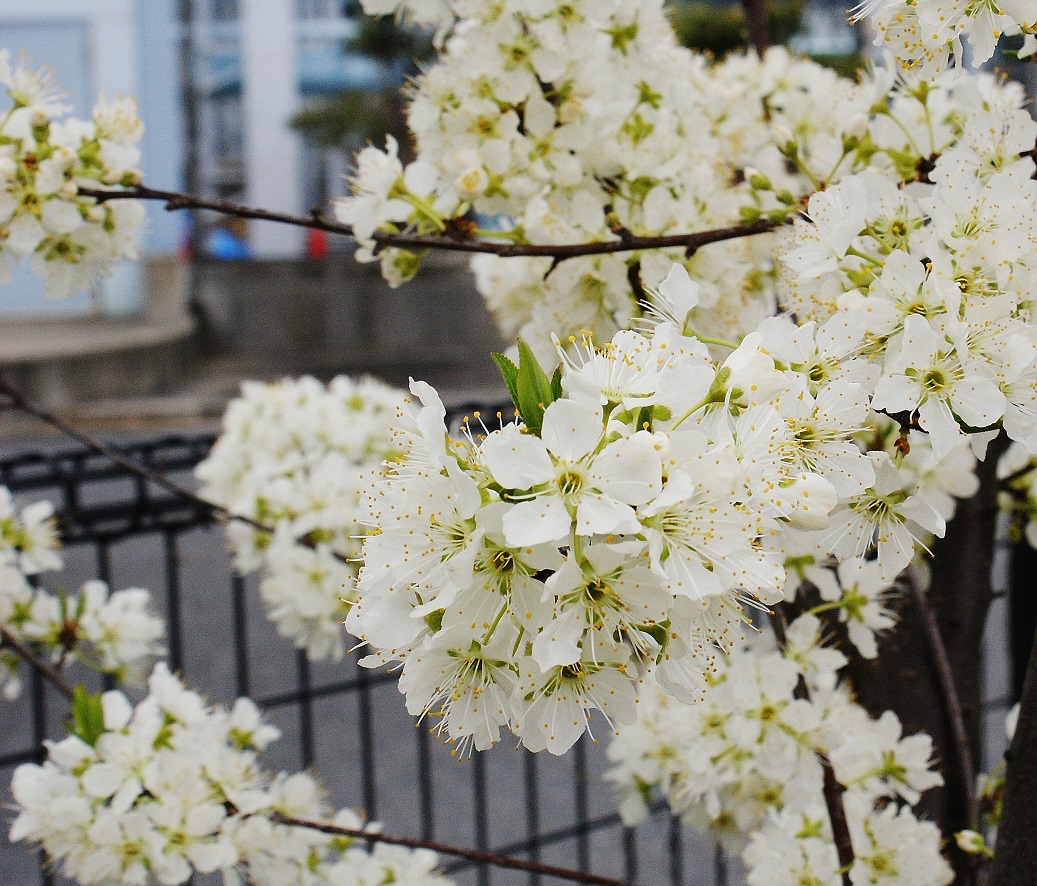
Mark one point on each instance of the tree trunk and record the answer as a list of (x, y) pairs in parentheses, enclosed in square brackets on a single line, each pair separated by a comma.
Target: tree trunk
[(756, 24), (1015, 861)]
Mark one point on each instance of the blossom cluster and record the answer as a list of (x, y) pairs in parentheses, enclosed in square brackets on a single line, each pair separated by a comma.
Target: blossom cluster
[(927, 35), (296, 455), (172, 786), (532, 575), (743, 765), (519, 138), (111, 631), (45, 157), (935, 277)]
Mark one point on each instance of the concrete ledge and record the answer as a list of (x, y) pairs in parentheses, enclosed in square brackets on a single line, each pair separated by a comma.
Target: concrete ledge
[(59, 363), (39, 340)]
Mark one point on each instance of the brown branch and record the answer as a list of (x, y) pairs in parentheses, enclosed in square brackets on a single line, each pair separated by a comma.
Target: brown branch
[(833, 790), (951, 700), (219, 512), (757, 25), (477, 855), (8, 639), (559, 252)]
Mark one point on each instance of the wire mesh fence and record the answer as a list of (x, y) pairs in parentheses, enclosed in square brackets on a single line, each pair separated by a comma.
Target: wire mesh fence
[(346, 723)]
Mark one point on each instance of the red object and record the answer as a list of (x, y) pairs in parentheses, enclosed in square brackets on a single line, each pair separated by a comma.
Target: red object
[(316, 243)]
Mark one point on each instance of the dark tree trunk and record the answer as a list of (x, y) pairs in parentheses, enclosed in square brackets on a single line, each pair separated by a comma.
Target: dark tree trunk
[(1015, 858), (757, 25)]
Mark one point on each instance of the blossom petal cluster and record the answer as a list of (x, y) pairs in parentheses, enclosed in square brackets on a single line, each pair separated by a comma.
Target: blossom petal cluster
[(931, 279), (45, 158), (295, 455), (742, 764), (115, 632), (173, 786), (530, 577), (520, 139), (928, 36)]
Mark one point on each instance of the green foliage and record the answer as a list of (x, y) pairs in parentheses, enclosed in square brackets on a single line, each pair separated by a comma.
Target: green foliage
[(353, 116), (844, 65), (721, 29), (389, 41), (87, 715), (530, 389)]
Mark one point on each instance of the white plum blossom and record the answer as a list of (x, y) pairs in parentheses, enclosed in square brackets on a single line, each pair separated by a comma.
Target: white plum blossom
[(172, 786), (115, 632), (741, 763), (296, 455), (45, 158)]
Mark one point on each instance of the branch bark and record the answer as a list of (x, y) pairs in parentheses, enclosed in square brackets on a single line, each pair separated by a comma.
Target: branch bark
[(8, 639), (219, 512), (963, 748), (832, 789), (504, 861), (558, 251), (757, 25)]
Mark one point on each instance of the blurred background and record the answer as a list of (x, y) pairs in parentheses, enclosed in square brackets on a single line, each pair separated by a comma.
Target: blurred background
[(265, 102)]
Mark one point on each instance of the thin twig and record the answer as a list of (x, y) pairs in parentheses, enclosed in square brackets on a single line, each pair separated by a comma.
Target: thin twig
[(218, 511), (559, 252), (7, 638), (833, 790), (504, 861), (951, 700)]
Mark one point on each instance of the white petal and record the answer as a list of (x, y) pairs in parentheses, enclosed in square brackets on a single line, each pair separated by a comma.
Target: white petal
[(517, 460)]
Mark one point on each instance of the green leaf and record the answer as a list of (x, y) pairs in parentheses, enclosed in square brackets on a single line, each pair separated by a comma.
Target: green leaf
[(556, 384), (509, 372), (534, 389), (87, 715), (644, 419)]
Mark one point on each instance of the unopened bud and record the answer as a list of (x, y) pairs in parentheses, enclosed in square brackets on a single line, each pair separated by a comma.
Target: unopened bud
[(972, 843), (757, 179)]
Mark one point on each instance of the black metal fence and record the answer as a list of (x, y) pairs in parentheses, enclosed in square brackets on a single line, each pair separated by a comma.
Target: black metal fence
[(346, 723)]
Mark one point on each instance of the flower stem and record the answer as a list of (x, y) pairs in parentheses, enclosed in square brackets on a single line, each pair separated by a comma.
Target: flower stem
[(7, 638)]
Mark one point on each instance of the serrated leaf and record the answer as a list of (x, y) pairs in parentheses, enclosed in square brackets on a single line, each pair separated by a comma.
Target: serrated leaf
[(87, 715), (534, 389), (509, 372)]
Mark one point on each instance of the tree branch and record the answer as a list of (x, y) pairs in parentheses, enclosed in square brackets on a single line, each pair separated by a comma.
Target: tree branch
[(952, 701), (559, 252), (504, 861), (756, 25), (833, 791), (7, 638), (219, 512)]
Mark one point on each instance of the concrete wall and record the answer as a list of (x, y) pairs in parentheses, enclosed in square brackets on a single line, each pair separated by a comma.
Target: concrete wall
[(332, 316)]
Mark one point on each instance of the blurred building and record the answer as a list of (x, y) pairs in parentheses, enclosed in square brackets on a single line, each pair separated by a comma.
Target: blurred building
[(126, 47), (255, 62)]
